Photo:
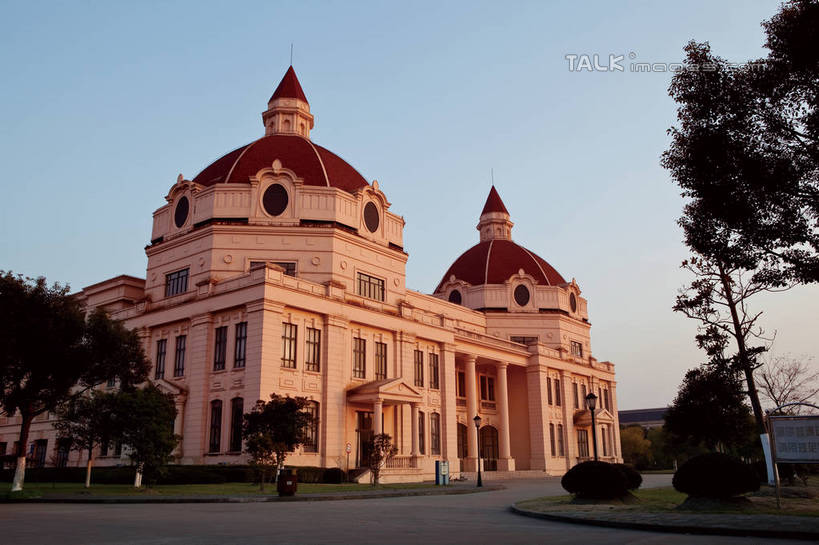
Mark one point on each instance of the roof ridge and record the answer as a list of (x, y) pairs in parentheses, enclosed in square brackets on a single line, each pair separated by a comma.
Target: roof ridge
[(236, 162), (486, 269), (548, 282), (321, 161)]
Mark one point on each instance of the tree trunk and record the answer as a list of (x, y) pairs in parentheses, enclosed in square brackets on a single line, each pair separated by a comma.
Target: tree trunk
[(744, 362), (138, 477), (88, 467), (20, 470), (262, 477)]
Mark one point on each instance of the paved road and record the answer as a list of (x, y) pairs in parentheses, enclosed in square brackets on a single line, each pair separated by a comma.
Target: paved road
[(463, 519)]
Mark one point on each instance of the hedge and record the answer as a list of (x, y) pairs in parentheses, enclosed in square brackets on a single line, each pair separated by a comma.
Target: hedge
[(715, 475), (172, 474)]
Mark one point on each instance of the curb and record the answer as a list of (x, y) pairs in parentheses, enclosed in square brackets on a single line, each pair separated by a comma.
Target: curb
[(256, 499), (671, 528)]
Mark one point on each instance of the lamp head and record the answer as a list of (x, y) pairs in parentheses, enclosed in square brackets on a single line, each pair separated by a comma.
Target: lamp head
[(591, 401)]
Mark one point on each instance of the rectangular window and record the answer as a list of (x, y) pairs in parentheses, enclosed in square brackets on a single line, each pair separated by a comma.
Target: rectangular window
[(161, 348), (311, 431), (380, 361), (421, 433), (549, 391), (577, 349), (370, 287), (461, 392), (39, 449), (63, 447), (3, 446), (312, 352), (419, 368), (583, 394), (582, 444), (359, 358), (435, 433), (487, 388), (215, 426), (606, 399), (561, 451), (289, 332), (576, 397), (434, 372), (220, 348), (558, 401), (240, 351), (237, 407), (604, 442), (288, 266), (104, 448), (523, 340), (176, 282), (179, 357), (552, 438)]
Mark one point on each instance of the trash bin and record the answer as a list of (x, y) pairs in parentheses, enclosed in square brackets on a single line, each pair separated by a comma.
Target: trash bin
[(441, 472), (287, 482)]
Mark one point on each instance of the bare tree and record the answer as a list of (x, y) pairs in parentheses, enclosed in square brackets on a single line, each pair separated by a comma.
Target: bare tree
[(788, 379)]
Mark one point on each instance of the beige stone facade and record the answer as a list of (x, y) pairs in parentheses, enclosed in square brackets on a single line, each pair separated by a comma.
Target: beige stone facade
[(278, 270)]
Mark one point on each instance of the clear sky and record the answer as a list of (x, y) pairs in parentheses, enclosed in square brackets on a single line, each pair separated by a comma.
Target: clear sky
[(102, 104)]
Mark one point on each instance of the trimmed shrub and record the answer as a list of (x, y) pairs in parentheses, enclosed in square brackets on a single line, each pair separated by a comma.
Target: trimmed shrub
[(595, 480), (308, 474), (715, 475), (334, 475), (633, 477)]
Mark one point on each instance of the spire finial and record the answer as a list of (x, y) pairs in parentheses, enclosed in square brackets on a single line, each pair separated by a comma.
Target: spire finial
[(492, 174), (291, 53)]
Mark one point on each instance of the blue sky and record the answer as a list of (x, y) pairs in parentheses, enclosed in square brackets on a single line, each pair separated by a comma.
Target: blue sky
[(102, 104)]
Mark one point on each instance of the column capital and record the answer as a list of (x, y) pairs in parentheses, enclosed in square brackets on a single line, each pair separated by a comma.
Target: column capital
[(201, 319), (502, 365), (266, 305), (471, 359), (448, 347)]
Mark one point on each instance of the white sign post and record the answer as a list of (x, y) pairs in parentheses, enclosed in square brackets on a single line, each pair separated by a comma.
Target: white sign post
[(794, 440)]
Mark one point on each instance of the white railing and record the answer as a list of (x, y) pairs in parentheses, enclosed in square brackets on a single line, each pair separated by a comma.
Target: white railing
[(402, 462)]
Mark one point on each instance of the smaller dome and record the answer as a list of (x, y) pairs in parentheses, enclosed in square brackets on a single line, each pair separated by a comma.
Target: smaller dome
[(495, 261)]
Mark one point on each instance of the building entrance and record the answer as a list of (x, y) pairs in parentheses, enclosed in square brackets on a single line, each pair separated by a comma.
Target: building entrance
[(364, 431)]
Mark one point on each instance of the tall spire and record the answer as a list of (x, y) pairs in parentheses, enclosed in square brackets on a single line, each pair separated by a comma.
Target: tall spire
[(288, 111), (495, 222)]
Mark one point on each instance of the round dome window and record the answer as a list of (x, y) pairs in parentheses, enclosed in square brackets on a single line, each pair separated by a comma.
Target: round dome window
[(455, 297), (522, 295), (573, 302), (371, 219), (275, 199), (180, 215)]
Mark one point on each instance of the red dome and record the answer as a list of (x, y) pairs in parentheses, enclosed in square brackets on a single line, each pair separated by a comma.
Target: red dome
[(494, 261), (315, 164)]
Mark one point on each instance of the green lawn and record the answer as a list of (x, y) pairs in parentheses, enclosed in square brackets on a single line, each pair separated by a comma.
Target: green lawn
[(32, 490), (659, 500)]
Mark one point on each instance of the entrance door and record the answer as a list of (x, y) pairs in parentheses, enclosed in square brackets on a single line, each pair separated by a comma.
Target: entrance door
[(463, 450), (365, 435), (489, 448)]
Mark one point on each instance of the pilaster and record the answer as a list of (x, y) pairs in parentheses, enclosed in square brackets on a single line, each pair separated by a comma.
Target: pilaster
[(449, 424)]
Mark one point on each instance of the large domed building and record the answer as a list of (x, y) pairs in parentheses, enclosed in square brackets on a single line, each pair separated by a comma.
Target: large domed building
[(279, 269)]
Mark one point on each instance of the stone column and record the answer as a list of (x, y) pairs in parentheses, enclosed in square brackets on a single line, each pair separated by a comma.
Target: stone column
[(471, 463), (569, 446), (617, 451), (449, 433), (336, 364), (197, 375), (506, 462), (378, 411), (537, 389), (414, 428)]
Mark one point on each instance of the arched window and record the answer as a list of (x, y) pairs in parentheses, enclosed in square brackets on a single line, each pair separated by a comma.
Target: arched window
[(236, 412), (214, 444), (462, 441), (489, 448), (421, 446)]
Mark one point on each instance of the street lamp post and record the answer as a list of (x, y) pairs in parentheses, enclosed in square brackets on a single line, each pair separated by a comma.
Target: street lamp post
[(591, 401), (477, 420)]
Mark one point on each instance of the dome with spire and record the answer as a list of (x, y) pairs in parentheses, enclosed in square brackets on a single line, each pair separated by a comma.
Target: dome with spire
[(287, 123), (496, 258)]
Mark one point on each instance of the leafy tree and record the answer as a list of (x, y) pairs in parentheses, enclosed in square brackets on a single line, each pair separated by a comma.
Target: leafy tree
[(51, 354), (86, 422), (272, 430), (143, 419), (746, 150), (381, 450), (785, 379), (636, 448), (709, 410)]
